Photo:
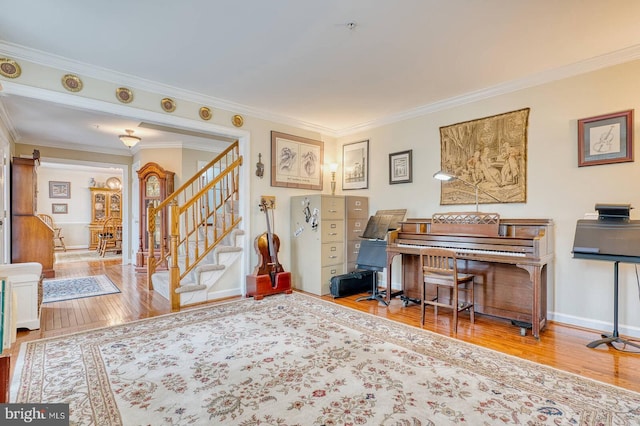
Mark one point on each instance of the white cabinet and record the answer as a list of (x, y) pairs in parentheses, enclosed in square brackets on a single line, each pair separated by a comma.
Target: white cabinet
[(23, 296), (25, 293)]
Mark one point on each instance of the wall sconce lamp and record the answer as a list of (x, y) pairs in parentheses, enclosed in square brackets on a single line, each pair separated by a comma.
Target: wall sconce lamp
[(333, 167), (448, 177), (128, 139)]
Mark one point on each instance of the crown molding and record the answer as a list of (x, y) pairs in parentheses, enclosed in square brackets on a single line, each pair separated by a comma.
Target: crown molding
[(14, 88), (18, 52), (603, 61), (77, 147)]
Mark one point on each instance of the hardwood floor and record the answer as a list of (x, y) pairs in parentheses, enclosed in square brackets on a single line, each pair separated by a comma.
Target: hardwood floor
[(560, 346)]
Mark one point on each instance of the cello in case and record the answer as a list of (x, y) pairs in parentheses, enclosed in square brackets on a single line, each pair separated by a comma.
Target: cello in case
[(269, 276)]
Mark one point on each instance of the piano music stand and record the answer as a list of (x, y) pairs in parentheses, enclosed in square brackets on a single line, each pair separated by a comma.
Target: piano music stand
[(615, 336), (372, 256)]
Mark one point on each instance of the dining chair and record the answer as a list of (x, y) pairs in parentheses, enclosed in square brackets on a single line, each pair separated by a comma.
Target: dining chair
[(110, 239), (440, 271), (58, 238)]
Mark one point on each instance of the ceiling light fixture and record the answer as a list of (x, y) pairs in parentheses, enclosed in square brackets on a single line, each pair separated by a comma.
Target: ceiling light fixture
[(128, 139)]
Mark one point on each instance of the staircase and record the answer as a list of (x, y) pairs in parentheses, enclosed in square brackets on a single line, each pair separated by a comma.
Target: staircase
[(201, 257)]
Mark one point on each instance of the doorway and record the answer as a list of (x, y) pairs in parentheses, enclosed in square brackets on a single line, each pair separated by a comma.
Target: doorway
[(85, 106)]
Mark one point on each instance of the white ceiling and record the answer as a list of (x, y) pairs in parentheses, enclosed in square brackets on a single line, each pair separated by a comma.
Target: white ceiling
[(300, 61)]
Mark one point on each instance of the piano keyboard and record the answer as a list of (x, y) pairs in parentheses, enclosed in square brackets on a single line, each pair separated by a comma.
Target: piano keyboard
[(471, 251)]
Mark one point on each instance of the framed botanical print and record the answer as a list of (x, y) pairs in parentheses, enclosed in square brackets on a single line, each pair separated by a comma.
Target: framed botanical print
[(296, 162)]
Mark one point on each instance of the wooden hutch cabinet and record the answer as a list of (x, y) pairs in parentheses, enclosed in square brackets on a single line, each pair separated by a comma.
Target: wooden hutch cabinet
[(31, 238), (156, 184), (105, 203)]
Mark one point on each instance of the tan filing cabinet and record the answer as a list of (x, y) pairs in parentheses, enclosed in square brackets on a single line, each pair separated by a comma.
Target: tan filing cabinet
[(317, 253), (329, 249), (356, 218)]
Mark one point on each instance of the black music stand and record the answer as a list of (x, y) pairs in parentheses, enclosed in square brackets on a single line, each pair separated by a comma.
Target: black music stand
[(372, 256), (615, 336), (613, 237)]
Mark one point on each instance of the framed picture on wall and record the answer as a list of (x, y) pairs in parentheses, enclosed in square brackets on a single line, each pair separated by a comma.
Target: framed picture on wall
[(400, 167), (296, 162), (59, 208), (605, 139), (59, 189), (355, 165)]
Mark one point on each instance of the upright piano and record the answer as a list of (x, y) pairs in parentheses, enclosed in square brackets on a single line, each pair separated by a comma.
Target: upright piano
[(509, 257)]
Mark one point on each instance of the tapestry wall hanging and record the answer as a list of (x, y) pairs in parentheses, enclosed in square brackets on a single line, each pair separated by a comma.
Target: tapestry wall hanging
[(488, 157)]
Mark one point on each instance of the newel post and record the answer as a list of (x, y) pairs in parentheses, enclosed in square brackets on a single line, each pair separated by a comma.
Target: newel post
[(174, 269), (151, 258)]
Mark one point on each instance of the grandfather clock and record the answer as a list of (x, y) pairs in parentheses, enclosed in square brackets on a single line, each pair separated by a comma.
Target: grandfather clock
[(156, 184)]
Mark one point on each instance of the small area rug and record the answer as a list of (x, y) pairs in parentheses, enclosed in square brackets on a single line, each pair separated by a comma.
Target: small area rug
[(299, 360), (76, 288), (76, 255)]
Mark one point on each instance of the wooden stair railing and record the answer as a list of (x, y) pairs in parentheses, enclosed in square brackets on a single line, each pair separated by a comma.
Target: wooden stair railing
[(202, 212)]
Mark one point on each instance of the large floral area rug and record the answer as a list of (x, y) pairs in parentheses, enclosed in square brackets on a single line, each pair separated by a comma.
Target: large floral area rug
[(76, 288), (298, 360)]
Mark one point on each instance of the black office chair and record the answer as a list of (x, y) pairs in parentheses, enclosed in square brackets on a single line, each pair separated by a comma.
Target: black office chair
[(372, 256)]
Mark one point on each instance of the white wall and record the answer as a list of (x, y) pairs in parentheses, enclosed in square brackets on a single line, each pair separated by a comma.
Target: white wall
[(581, 291)]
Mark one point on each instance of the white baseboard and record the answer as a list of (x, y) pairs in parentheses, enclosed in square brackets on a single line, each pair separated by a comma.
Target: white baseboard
[(222, 294), (596, 325)]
